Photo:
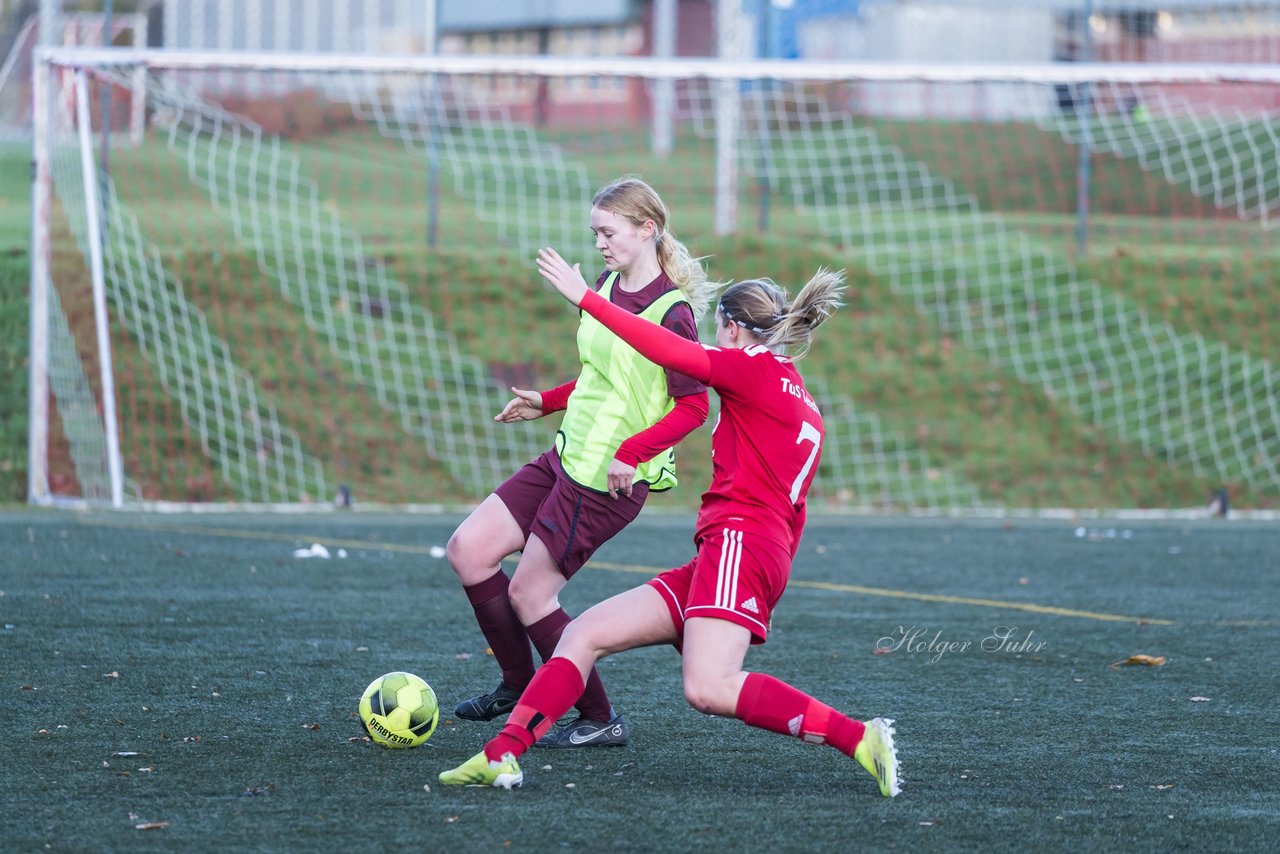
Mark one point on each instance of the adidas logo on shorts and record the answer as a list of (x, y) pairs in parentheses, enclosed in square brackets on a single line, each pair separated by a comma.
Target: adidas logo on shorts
[(750, 605)]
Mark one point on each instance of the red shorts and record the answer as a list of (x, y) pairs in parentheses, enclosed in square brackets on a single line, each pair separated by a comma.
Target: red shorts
[(572, 521), (735, 576)]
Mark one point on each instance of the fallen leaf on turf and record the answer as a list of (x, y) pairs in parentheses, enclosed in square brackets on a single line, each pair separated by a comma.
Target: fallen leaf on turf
[(881, 650), (312, 726), (463, 656), (1148, 660), (1161, 787), (151, 825), (129, 753), (112, 675), (255, 791), (1199, 699), (451, 819), (488, 650)]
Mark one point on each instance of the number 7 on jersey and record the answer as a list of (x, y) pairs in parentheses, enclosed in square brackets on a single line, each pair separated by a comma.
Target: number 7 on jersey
[(808, 433)]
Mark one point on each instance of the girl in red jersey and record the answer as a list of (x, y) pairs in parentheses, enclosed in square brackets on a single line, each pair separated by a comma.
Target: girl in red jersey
[(765, 450), (622, 417)]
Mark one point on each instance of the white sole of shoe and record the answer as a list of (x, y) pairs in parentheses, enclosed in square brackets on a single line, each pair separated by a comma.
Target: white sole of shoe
[(884, 729)]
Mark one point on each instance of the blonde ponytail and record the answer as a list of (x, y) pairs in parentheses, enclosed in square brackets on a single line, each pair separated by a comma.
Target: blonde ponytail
[(760, 306)]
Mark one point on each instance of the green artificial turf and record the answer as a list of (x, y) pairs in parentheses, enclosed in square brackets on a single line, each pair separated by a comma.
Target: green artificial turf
[(189, 672)]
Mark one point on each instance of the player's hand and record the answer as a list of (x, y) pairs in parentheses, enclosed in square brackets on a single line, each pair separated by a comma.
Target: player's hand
[(567, 280), (525, 406), (620, 477)]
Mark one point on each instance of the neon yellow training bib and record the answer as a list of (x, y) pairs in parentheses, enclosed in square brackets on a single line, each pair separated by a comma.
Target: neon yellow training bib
[(618, 394)]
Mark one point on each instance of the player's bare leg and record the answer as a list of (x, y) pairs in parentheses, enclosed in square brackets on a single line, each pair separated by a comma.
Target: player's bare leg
[(715, 683), (713, 654), (476, 549)]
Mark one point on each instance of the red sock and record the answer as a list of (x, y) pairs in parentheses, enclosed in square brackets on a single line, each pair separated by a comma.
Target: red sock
[(502, 629), (554, 688), (772, 704), (594, 703)]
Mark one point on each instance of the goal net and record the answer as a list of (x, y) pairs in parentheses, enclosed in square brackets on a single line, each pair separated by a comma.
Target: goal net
[(305, 275)]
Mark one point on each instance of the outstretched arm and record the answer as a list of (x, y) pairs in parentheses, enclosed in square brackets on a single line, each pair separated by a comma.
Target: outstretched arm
[(690, 413), (656, 344)]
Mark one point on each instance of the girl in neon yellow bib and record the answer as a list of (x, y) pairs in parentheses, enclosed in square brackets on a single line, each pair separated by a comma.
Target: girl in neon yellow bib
[(623, 416)]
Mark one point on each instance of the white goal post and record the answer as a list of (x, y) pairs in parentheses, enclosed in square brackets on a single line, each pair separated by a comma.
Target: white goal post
[(310, 271)]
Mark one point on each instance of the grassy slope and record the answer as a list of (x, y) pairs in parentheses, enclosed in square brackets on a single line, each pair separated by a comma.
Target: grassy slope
[(1015, 444)]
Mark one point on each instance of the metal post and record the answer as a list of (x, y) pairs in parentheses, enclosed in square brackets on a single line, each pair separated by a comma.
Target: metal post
[(50, 22), (106, 118), (433, 119), (92, 206), (138, 106), (664, 90), (1084, 111), (41, 206), (728, 110), (431, 35), (768, 34)]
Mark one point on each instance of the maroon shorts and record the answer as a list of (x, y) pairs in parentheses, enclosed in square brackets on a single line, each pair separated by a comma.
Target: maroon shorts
[(572, 521), (735, 576)]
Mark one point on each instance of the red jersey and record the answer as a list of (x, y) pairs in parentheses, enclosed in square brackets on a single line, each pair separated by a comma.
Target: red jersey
[(765, 446), (767, 438)]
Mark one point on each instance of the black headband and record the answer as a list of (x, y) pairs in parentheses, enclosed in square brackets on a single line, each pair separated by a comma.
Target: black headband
[(729, 317)]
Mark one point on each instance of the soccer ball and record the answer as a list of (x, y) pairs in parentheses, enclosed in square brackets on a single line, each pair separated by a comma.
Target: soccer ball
[(399, 710)]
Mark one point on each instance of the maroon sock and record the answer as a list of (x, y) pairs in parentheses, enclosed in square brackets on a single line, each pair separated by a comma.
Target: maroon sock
[(502, 629), (772, 704), (594, 703), (554, 688)]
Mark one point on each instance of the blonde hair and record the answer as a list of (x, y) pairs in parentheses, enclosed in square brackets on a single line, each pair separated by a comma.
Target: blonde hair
[(633, 199), (760, 306)]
